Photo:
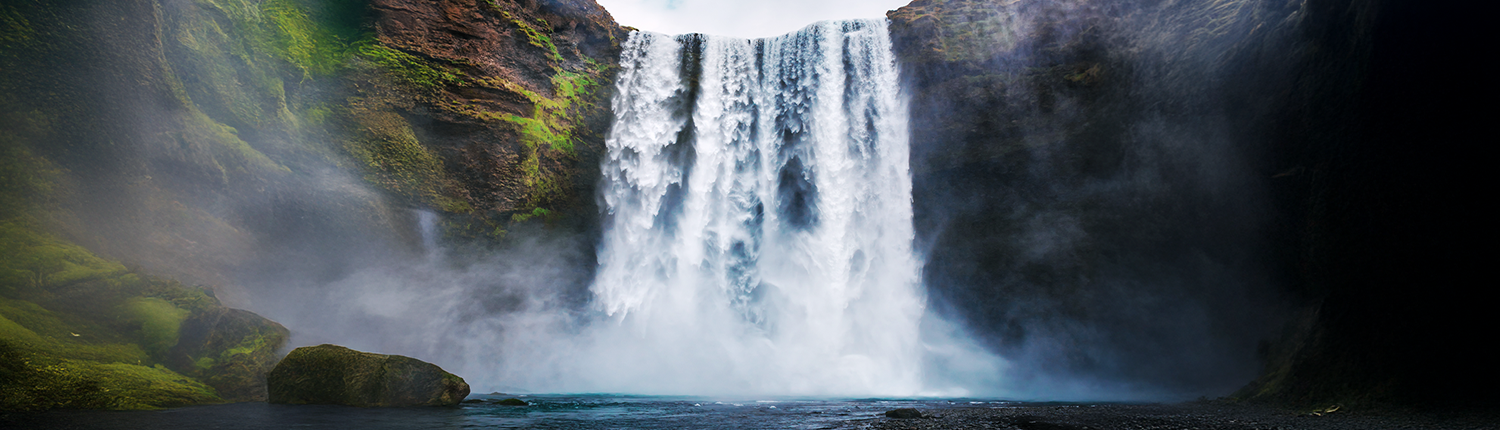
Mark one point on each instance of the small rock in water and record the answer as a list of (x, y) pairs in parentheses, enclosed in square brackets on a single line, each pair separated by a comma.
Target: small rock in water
[(513, 402), (903, 413)]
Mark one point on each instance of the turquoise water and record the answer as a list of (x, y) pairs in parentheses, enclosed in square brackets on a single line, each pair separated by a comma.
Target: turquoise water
[(545, 412)]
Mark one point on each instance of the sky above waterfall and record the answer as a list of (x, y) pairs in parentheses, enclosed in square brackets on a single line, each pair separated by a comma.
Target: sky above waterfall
[(740, 18)]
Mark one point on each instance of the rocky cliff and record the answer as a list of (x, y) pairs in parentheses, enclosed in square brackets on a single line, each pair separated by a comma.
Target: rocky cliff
[(1097, 183), (1135, 194), (213, 141)]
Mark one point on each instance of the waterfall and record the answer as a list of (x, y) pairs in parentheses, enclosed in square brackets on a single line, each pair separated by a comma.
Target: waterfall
[(759, 231)]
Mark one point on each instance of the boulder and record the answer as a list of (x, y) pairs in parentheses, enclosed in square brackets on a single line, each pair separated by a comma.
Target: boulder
[(231, 350), (335, 375)]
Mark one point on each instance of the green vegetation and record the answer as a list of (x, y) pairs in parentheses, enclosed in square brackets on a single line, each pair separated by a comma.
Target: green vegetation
[(159, 320), (34, 381), (79, 331), (392, 157), (550, 124), (24, 178), (317, 44), (67, 335), (410, 68), (535, 213), (536, 38), (15, 30)]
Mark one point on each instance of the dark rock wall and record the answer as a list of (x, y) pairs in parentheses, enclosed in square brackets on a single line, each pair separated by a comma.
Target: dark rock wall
[(1170, 198)]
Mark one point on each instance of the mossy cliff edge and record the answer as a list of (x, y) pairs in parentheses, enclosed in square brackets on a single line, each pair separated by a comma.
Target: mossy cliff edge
[(146, 145), (78, 331)]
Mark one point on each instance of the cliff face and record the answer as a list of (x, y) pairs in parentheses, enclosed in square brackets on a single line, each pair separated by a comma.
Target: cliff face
[(1138, 194), (519, 104), (285, 141), (231, 118)]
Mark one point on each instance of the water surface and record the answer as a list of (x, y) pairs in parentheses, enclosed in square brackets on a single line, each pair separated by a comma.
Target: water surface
[(545, 412)]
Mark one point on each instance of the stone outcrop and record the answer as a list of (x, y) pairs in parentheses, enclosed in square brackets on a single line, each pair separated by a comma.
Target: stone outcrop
[(335, 375), (231, 350)]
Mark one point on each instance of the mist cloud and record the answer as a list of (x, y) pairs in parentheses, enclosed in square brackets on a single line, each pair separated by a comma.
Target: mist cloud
[(740, 18)]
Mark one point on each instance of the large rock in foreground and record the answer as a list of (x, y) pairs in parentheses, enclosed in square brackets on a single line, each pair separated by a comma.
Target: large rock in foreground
[(335, 375)]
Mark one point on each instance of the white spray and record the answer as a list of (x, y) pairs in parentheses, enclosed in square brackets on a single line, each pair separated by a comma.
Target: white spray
[(759, 232), (758, 239)]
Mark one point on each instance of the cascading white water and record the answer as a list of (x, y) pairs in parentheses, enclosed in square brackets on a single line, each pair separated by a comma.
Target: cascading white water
[(759, 229)]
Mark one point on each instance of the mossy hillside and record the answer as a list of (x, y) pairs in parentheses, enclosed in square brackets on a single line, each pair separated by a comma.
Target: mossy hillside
[(72, 338), (33, 381), (93, 334)]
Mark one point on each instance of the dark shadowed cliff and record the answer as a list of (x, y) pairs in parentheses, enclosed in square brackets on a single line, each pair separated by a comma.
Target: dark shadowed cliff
[(1143, 197)]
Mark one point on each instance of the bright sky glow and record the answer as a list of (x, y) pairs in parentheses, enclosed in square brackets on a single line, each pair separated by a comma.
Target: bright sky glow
[(740, 18)]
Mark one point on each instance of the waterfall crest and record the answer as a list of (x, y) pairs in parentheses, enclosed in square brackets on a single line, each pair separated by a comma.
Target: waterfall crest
[(759, 228)]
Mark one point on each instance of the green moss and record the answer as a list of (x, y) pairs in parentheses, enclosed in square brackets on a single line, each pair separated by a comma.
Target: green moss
[(159, 320), (64, 336), (535, 213), (288, 30), (43, 260), (331, 374), (452, 205), (35, 381), (535, 37), (15, 29), (392, 157), (226, 145), (317, 114), (204, 363), (537, 133), (410, 68), (91, 333), (248, 345)]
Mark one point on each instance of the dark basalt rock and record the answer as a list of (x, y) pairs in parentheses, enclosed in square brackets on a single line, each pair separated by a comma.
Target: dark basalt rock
[(513, 402), (335, 375)]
